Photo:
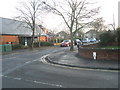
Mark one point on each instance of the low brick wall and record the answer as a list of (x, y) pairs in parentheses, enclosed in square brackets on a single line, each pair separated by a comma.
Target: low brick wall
[(101, 54), (91, 45)]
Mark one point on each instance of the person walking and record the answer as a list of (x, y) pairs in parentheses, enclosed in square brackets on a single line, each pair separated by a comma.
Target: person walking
[(79, 44)]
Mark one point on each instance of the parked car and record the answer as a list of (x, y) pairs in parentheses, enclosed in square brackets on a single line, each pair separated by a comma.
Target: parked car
[(65, 43), (85, 40), (92, 39)]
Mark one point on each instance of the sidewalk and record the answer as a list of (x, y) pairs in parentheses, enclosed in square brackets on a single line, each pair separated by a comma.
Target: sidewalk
[(72, 59)]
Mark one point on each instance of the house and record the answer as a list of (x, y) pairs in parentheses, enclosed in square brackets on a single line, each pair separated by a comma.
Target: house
[(17, 32), (62, 35), (91, 34), (44, 36)]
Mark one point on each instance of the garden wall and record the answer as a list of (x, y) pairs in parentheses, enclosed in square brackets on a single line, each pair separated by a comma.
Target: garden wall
[(101, 54)]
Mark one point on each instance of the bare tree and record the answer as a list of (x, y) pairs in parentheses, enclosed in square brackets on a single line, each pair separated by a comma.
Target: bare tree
[(75, 13), (98, 24), (28, 13)]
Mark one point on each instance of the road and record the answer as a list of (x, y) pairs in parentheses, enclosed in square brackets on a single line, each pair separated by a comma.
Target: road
[(24, 69)]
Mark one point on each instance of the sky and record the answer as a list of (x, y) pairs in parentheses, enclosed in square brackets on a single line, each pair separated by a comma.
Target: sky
[(109, 8)]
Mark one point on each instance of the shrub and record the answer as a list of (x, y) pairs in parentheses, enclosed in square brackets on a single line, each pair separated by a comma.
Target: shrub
[(107, 38), (43, 44), (17, 46), (117, 32)]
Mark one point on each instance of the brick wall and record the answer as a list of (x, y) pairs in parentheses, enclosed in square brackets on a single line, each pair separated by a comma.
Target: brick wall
[(91, 45), (5, 39), (102, 54)]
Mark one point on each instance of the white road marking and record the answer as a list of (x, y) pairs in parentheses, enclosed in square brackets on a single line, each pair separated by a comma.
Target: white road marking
[(35, 60), (18, 78), (43, 58), (48, 84), (28, 62), (34, 81)]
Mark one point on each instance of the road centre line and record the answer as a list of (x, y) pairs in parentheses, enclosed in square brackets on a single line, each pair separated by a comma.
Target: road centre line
[(18, 78), (48, 84), (34, 81), (44, 61), (12, 69), (35, 60), (28, 62)]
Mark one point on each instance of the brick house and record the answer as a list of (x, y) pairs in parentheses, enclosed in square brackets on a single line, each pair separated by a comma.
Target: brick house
[(17, 32), (45, 36)]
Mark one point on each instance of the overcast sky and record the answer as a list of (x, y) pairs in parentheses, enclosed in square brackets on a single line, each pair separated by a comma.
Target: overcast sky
[(108, 8)]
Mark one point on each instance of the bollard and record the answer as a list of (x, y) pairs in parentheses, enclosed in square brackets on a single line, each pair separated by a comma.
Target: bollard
[(25, 43), (94, 55)]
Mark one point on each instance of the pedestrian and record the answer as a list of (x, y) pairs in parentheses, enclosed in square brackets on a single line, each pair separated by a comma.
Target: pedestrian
[(78, 45)]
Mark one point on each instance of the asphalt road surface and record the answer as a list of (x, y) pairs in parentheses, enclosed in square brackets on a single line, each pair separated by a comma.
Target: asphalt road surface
[(24, 69)]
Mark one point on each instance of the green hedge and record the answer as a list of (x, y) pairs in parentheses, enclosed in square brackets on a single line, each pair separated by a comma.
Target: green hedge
[(107, 38), (110, 37), (117, 32), (18, 46), (43, 44)]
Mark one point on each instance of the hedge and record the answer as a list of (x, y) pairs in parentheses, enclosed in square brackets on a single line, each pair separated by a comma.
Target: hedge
[(43, 44)]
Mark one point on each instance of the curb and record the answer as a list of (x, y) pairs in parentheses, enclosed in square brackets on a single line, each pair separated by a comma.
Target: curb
[(48, 60)]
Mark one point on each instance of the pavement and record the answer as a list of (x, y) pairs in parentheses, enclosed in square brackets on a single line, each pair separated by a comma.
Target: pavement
[(72, 59)]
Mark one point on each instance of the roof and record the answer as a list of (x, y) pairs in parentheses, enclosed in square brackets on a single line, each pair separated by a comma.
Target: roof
[(91, 31), (14, 27)]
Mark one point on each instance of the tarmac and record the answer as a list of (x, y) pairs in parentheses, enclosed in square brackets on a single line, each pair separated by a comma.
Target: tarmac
[(72, 59)]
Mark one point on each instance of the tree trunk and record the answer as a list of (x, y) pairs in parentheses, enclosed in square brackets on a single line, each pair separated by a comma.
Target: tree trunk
[(32, 43), (71, 38), (33, 29)]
